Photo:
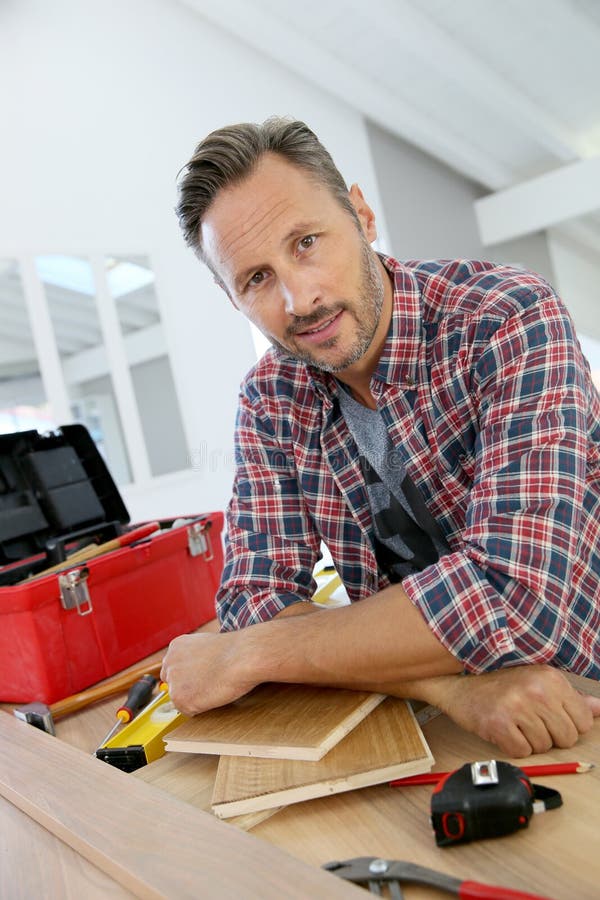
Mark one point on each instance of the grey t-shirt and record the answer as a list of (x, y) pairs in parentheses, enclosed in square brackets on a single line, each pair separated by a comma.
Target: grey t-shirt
[(407, 538)]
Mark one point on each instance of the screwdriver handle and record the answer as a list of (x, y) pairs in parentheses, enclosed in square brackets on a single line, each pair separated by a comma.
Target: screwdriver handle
[(138, 696)]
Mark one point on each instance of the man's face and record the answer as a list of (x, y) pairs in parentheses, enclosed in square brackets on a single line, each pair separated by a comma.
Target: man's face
[(298, 265)]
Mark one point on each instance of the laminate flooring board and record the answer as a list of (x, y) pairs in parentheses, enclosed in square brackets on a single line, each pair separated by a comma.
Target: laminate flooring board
[(280, 721), (37, 864), (387, 744), (154, 845), (191, 777)]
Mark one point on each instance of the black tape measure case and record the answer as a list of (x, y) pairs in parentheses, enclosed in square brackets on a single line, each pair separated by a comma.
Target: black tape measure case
[(486, 800)]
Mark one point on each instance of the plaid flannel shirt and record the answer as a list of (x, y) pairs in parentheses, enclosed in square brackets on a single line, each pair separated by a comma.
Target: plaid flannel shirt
[(490, 406)]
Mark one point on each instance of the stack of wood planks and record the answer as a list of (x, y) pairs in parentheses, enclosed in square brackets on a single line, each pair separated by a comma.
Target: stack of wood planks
[(282, 744)]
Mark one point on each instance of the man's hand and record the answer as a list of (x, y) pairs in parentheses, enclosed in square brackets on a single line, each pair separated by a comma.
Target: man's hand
[(523, 710), (204, 671)]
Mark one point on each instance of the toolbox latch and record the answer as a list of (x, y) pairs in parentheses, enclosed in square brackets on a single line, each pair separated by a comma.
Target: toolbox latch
[(74, 593), (199, 543)]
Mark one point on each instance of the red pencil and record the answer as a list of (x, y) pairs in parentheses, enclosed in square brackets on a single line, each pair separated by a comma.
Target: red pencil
[(567, 768)]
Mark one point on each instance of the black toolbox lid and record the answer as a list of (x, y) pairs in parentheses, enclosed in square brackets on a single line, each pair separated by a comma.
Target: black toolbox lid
[(52, 488)]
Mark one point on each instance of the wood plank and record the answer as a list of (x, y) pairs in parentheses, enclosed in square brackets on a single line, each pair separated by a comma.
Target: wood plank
[(387, 742), (46, 868), (281, 721), (153, 844), (191, 777)]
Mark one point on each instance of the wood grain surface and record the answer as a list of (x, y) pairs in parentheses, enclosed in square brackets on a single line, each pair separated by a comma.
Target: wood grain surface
[(151, 843), (47, 868), (191, 777), (387, 744), (280, 721), (556, 856)]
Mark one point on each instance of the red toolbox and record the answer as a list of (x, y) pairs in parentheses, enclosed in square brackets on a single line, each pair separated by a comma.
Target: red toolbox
[(65, 630)]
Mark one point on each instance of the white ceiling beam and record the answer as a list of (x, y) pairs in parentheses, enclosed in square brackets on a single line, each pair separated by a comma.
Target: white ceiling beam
[(12, 333), (413, 30), (301, 55), (16, 378), (84, 365), (78, 329), (140, 347), (15, 315), (134, 316), (539, 203)]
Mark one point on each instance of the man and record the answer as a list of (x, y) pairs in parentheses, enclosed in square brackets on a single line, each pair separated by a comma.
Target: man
[(434, 423)]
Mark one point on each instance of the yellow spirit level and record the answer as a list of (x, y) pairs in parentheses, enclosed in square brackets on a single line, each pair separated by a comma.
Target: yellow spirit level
[(141, 741)]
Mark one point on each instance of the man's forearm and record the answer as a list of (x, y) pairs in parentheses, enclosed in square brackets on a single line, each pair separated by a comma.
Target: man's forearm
[(381, 644), (382, 640), (434, 689)]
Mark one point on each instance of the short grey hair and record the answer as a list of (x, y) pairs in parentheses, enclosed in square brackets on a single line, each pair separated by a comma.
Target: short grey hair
[(229, 155)]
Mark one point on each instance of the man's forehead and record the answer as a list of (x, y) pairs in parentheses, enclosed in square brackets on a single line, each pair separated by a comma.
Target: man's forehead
[(271, 203), (235, 226)]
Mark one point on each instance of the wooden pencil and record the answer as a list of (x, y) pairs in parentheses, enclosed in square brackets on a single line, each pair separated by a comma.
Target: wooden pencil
[(562, 768)]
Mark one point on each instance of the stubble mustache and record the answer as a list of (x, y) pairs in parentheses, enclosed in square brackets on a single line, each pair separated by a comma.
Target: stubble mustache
[(307, 322)]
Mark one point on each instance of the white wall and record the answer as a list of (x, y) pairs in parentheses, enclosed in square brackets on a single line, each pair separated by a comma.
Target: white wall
[(578, 280), (430, 213), (103, 102), (429, 207)]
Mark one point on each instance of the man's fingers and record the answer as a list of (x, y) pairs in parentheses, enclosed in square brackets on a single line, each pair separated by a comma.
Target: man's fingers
[(541, 735), (580, 712), (558, 720), (558, 724), (523, 737), (561, 730), (512, 742), (593, 704)]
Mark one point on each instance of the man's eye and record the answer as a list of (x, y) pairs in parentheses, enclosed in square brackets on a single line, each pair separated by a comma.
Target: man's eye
[(257, 278), (307, 241)]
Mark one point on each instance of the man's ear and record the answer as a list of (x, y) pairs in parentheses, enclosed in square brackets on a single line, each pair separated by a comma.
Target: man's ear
[(365, 214)]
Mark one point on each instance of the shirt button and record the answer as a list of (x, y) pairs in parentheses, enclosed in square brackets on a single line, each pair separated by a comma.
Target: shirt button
[(410, 381)]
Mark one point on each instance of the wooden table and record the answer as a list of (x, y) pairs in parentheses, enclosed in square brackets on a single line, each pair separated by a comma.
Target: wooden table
[(557, 856)]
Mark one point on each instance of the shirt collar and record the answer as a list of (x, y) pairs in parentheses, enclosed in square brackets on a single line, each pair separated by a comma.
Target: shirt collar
[(398, 363)]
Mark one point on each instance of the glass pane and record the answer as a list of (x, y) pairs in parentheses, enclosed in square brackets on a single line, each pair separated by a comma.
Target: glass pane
[(23, 402), (131, 283), (70, 291)]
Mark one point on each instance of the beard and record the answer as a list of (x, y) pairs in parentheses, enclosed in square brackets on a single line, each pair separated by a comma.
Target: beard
[(367, 312)]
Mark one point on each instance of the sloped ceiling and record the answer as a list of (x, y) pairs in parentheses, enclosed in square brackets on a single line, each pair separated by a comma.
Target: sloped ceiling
[(501, 91)]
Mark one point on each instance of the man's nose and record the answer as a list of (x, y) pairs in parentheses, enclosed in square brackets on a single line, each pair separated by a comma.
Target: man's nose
[(300, 294)]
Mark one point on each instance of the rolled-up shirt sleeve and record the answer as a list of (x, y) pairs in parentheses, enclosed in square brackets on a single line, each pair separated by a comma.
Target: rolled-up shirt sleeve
[(503, 596), (271, 546)]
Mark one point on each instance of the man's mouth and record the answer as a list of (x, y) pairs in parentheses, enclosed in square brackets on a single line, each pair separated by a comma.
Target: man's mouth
[(322, 330)]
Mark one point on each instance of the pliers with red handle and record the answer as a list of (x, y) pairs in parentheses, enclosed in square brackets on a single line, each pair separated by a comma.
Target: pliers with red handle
[(374, 873)]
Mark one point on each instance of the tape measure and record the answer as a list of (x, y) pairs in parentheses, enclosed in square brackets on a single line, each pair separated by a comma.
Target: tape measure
[(485, 800)]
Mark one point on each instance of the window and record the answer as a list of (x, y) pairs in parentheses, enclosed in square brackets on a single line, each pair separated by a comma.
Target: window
[(83, 340)]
